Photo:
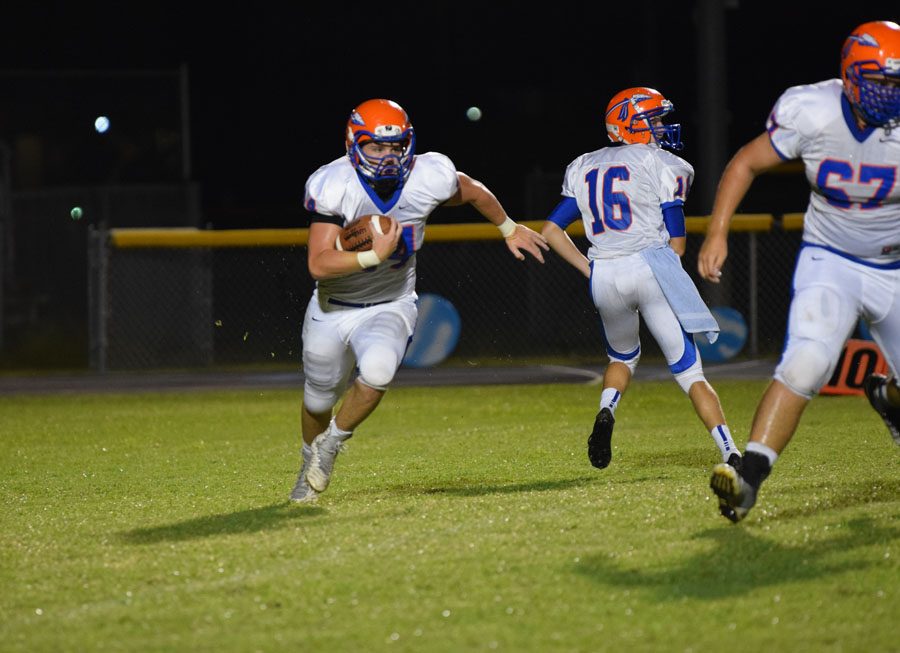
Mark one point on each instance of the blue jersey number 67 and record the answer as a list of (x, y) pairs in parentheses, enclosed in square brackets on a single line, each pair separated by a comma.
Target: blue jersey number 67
[(884, 176)]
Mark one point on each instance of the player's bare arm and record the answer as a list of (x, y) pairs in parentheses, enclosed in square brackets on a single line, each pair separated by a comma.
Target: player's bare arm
[(471, 191), (325, 261), (678, 244), (754, 158), (561, 244)]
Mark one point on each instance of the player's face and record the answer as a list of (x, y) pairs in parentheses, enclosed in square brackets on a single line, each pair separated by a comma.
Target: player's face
[(375, 150), (878, 78), (879, 97), (384, 155)]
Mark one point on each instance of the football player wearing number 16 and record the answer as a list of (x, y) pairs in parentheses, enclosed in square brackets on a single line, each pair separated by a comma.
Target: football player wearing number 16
[(630, 197), (847, 132), (363, 310)]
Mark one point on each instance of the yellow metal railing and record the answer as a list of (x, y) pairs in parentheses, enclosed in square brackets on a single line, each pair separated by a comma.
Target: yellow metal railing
[(191, 237)]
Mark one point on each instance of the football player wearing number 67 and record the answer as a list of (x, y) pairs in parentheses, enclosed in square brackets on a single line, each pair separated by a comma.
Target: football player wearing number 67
[(847, 133), (630, 196), (363, 310)]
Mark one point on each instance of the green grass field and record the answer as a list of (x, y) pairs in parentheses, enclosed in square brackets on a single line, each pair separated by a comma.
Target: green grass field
[(460, 519)]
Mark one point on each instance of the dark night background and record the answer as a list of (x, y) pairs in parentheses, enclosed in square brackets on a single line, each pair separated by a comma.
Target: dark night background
[(271, 85), (267, 88)]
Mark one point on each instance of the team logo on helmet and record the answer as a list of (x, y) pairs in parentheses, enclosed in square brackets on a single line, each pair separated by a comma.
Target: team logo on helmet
[(356, 119), (865, 39), (387, 131)]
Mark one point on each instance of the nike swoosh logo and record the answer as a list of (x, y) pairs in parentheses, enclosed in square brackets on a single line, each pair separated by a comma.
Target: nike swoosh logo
[(315, 319), (815, 258)]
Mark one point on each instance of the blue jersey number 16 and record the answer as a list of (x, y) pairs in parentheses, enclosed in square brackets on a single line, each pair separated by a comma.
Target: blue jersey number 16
[(610, 200)]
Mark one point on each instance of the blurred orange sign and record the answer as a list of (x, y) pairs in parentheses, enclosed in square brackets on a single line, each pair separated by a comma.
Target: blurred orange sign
[(858, 359)]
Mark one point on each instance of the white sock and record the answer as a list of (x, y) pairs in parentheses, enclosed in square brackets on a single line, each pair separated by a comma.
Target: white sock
[(722, 437), (609, 398), (762, 449), (338, 433)]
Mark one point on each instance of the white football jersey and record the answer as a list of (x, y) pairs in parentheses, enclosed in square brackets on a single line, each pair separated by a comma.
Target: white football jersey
[(621, 192), (336, 189), (854, 204)]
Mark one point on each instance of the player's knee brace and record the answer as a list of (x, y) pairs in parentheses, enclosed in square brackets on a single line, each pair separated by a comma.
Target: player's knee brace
[(690, 376), (688, 369), (318, 400), (377, 367), (630, 363), (805, 367), (323, 383)]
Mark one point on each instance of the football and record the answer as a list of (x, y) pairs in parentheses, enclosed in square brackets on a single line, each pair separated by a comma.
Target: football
[(357, 235)]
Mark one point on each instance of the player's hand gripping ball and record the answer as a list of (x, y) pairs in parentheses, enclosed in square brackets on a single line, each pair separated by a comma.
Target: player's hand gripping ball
[(357, 235)]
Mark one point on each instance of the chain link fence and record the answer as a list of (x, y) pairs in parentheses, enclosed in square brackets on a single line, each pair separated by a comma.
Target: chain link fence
[(44, 309), (192, 298)]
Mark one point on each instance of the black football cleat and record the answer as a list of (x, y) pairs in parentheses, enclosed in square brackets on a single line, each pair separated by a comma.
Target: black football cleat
[(736, 461), (737, 482), (600, 442), (736, 496), (874, 388)]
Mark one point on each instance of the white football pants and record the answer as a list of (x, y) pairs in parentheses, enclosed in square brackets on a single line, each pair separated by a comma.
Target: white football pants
[(624, 290), (335, 338), (830, 294)]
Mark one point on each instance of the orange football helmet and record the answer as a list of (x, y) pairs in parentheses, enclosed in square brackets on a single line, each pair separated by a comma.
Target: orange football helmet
[(382, 121), (635, 116), (870, 70)]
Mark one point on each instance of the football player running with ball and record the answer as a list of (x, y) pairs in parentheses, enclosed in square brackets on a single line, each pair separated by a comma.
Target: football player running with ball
[(363, 311), (847, 132), (630, 196)]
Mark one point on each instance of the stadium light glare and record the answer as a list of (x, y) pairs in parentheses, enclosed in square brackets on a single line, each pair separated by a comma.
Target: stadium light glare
[(101, 124)]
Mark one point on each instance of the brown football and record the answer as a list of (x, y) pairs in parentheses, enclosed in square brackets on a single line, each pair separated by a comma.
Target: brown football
[(357, 235)]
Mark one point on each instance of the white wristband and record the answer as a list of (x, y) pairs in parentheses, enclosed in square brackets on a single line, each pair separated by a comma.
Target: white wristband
[(507, 227), (368, 259)]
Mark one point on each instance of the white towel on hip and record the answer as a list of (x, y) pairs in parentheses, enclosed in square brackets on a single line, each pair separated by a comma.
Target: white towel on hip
[(680, 292)]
